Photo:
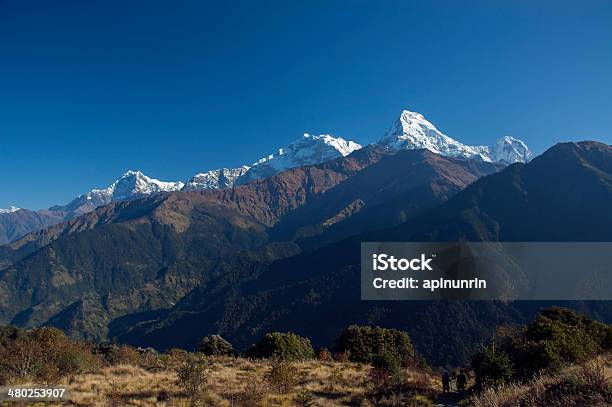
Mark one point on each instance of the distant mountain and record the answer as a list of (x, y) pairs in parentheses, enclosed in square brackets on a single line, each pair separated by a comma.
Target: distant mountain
[(307, 150), (131, 185), (10, 209), (413, 131), (215, 179), (17, 223), (134, 184)]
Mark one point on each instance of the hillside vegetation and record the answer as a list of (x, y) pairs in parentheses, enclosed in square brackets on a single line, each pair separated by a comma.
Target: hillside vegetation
[(560, 359)]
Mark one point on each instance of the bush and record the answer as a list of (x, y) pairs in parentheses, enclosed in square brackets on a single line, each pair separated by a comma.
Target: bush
[(324, 355), (44, 354), (215, 345), (119, 354), (286, 346), (364, 343), (387, 369), (556, 337), (304, 399), (193, 375), (282, 376), (492, 368)]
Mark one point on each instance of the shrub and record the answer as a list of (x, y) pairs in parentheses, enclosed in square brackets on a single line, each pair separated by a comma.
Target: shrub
[(594, 375), (215, 345), (282, 376), (286, 346), (324, 355), (387, 369), (304, 399), (556, 337), (44, 354), (492, 368), (21, 359), (193, 375), (364, 343), (342, 357), (118, 354), (253, 393)]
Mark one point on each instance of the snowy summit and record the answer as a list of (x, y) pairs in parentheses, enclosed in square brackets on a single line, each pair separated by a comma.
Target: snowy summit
[(307, 150), (10, 209), (131, 185), (412, 131)]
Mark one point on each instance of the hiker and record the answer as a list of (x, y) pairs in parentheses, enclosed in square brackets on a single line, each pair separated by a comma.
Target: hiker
[(461, 381), (445, 382)]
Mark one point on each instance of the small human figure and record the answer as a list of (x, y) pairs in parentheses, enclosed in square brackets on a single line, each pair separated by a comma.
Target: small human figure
[(445, 382), (461, 381)]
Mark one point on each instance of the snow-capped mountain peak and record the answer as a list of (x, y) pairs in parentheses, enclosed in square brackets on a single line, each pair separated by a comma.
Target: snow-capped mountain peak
[(134, 184), (509, 150), (220, 178), (10, 209), (412, 131), (307, 150), (131, 185)]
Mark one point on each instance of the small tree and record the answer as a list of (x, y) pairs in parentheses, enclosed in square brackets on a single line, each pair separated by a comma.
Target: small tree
[(282, 376), (285, 346), (324, 355), (387, 369), (193, 375), (215, 345), (492, 368)]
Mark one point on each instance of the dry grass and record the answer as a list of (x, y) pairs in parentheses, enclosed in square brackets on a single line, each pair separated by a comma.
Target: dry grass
[(586, 384), (231, 382)]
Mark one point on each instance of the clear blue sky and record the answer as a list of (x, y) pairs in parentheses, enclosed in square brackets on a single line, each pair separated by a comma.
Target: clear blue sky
[(89, 89)]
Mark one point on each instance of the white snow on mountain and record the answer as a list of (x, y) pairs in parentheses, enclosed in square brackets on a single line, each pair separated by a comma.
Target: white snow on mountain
[(412, 131), (307, 150), (10, 209), (215, 179), (509, 150), (131, 185)]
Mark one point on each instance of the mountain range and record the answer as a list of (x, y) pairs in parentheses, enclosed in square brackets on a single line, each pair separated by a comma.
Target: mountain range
[(281, 252), (410, 131)]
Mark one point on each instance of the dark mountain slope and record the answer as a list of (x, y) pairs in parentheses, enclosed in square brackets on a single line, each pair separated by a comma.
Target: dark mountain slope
[(143, 255), (317, 293), (563, 195), (383, 195), (13, 225)]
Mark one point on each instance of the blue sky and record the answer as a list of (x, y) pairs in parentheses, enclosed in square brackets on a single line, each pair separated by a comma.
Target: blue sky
[(91, 89)]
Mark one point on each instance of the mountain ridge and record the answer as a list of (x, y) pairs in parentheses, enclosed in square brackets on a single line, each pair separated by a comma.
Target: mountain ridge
[(411, 131)]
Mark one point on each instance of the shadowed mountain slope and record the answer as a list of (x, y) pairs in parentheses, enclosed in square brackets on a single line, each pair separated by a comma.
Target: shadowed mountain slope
[(132, 260), (563, 195)]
